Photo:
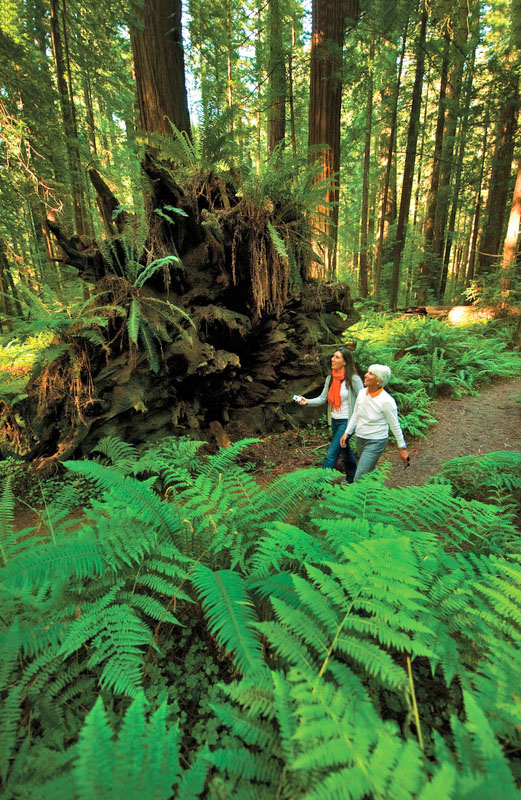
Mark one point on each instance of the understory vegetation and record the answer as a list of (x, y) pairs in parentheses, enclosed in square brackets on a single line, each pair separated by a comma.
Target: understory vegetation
[(430, 358), (200, 636)]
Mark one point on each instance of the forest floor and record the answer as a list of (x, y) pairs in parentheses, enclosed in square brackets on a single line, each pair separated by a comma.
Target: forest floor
[(472, 425)]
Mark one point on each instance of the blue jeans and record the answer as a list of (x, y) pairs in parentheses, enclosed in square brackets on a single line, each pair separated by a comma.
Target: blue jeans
[(338, 427), (369, 451)]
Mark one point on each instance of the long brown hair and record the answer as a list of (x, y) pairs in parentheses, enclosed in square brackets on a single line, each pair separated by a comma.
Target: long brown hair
[(350, 367)]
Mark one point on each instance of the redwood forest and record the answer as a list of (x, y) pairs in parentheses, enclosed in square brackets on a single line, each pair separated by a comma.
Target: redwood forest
[(205, 207)]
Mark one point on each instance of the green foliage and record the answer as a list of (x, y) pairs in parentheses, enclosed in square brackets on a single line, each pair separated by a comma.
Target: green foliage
[(495, 477), (367, 650), (429, 357)]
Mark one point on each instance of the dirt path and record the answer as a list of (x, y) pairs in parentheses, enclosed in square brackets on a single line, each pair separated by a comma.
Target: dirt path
[(491, 421), (472, 425)]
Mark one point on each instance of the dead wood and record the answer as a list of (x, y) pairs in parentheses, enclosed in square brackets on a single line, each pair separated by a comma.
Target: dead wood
[(258, 333)]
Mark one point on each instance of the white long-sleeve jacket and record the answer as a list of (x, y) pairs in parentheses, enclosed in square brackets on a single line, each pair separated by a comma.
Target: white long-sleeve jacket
[(373, 415)]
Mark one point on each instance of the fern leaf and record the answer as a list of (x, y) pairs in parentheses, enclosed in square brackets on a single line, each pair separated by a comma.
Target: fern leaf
[(94, 766), (277, 240), (10, 713), (122, 455), (230, 615), (134, 321), (144, 503)]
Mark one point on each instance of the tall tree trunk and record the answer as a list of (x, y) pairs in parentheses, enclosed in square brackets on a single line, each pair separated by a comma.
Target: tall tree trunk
[(291, 98), (512, 236), (229, 71), (277, 80), (68, 115), (159, 67), (419, 175), (477, 213), (458, 55), (490, 242), (91, 126), (428, 270), (387, 204), (410, 157), (259, 80), (325, 100), (4, 296), (364, 226), (467, 93)]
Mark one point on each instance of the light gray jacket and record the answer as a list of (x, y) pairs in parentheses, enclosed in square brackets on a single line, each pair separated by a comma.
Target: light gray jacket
[(352, 392)]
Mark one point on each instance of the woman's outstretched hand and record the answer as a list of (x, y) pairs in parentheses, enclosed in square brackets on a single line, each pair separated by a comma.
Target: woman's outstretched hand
[(404, 455), (343, 440)]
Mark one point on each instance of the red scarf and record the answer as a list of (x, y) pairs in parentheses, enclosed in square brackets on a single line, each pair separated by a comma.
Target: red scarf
[(333, 397)]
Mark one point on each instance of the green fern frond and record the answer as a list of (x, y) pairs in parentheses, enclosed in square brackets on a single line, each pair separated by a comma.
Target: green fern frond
[(95, 763), (145, 504), (225, 457), (230, 615), (33, 567), (134, 321), (122, 455), (277, 240), (147, 339), (117, 638), (10, 713), (7, 503)]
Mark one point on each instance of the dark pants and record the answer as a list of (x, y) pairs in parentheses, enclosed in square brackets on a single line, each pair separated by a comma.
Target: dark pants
[(338, 427)]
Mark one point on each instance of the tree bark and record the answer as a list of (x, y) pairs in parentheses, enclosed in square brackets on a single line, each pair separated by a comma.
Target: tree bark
[(410, 157), (364, 226), (490, 242), (68, 115), (457, 61), (325, 100), (477, 213), (459, 170), (159, 68), (277, 80), (428, 274), (386, 206), (512, 236)]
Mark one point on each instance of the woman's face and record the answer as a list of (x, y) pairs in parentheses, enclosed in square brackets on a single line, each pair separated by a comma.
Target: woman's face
[(371, 381), (337, 360)]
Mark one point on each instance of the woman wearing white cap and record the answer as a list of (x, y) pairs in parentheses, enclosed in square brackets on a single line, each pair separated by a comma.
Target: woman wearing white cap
[(374, 413)]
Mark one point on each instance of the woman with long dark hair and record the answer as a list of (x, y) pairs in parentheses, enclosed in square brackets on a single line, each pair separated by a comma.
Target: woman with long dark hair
[(340, 390)]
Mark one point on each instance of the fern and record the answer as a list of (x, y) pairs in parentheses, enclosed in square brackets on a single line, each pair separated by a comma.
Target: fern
[(277, 241), (355, 632), (122, 455), (146, 505), (230, 615), (6, 516), (143, 760)]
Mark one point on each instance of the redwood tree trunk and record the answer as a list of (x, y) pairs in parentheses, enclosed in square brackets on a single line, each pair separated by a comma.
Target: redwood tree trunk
[(388, 204), (69, 123), (410, 157), (457, 60), (490, 242), (510, 246), (277, 80), (428, 271), (159, 67), (325, 100), (459, 171), (363, 277)]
